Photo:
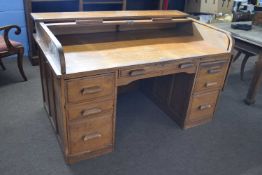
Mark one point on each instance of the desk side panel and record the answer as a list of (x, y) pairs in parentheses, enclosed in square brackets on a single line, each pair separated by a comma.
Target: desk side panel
[(54, 101), (51, 48)]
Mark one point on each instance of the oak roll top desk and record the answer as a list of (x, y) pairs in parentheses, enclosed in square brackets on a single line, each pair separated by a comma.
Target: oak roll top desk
[(180, 63)]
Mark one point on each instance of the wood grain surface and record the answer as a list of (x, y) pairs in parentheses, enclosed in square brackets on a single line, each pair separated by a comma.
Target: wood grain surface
[(180, 64)]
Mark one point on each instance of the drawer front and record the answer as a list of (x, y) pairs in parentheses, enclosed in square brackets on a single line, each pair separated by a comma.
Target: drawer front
[(89, 88), (211, 75), (89, 110), (188, 67), (215, 70), (128, 75), (91, 135), (207, 83), (140, 72), (203, 106)]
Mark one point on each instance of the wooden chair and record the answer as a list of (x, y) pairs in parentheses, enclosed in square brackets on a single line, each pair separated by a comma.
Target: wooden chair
[(9, 47), (247, 55)]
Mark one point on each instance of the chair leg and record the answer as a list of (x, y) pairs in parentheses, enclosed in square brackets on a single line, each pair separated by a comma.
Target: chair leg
[(2, 64), (20, 56), (243, 65), (237, 56)]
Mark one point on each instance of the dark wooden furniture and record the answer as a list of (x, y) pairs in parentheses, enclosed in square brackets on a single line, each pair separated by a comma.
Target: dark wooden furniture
[(257, 19), (251, 42), (208, 6), (82, 3), (247, 55), (180, 63), (9, 47), (122, 3), (29, 8), (77, 5)]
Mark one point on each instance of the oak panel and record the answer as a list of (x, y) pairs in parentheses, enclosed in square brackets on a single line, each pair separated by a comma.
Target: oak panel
[(116, 50)]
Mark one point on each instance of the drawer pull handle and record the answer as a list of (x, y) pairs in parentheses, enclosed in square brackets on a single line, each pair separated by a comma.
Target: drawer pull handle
[(89, 112), (211, 84), (204, 107), (91, 136), (186, 65), (137, 72), (91, 90), (214, 71)]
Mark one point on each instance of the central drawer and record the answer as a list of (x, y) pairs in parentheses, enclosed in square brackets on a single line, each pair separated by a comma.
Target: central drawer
[(127, 75), (90, 88), (91, 135)]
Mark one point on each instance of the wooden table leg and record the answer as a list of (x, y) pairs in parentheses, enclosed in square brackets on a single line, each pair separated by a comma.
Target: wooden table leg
[(20, 56), (256, 82)]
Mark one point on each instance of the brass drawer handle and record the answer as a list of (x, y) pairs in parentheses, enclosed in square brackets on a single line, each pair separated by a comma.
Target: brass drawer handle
[(204, 107), (91, 90), (88, 137), (185, 65), (214, 71), (86, 113), (137, 72), (211, 84)]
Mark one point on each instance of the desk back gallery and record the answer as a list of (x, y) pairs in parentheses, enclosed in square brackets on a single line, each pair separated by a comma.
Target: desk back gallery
[(180, 63)]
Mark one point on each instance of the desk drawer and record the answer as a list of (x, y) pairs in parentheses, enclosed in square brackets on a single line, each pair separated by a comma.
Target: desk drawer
[(217, 69), (211, 75), (203, 106), (209, 83), (140, 72), (91, 135), (89, 88), (89, 110)]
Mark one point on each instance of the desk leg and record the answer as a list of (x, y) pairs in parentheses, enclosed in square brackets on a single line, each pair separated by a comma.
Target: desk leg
[(256, 82)]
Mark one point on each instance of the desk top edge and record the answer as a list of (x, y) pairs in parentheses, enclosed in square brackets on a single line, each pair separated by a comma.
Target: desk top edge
[(69, 16)]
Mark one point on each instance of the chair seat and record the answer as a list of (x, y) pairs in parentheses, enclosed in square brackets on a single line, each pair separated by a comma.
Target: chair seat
[(3, 46)]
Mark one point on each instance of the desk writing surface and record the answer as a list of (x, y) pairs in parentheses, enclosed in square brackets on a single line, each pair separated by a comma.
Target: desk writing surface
[(88, 53)]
